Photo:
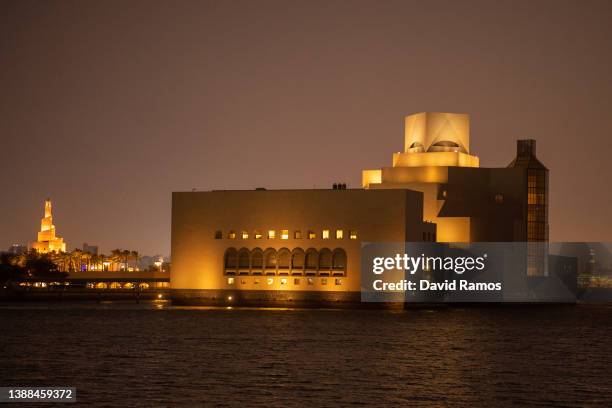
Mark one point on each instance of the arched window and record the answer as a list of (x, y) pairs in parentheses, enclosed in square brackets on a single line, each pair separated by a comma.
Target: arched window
[(312, 259), (445, 146), (270, 261), (339, 261), (284, 258), (325, 259), (256, 261), (297, 260), (231, 260), (243, 260)]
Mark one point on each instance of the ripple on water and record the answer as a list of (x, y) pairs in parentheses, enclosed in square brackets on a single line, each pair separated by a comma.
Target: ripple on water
[(146, 356)]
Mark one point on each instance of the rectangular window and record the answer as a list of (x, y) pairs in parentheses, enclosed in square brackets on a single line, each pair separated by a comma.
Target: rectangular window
[(297, 234), (323, 281), (218, 235), (257, 235), (231, 235), (296, 281), (531, 198), (310, 281), (284, 234), (339, 234), (338, 282), (271, 234), (230, 281), (245, 235), (353, 234), (312, 235), (325, 234)]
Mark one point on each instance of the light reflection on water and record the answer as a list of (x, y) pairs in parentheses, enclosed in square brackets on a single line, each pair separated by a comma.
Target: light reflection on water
[(153, 354)]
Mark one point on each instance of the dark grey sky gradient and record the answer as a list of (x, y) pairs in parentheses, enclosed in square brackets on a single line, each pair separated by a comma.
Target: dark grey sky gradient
[(108, 107)]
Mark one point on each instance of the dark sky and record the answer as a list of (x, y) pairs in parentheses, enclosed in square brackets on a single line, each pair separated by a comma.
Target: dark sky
[(108, 107)]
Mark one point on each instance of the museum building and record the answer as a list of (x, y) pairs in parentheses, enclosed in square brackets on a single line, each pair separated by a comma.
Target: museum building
[(302, 247)]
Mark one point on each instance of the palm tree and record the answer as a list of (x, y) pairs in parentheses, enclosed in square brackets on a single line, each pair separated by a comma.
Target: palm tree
[(101, 259), (96, 260), (117, 256), (135, 256), (21, 259), (86, 258), (126, 257), (61, 259), (76, 258)]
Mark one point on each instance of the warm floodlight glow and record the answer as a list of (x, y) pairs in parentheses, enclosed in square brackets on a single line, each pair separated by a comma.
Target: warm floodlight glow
[(160, 296), (229, 298), (434, 159), (371, 177)]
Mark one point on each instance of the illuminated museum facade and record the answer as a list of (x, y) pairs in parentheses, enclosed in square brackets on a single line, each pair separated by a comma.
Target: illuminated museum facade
[(304, 245)]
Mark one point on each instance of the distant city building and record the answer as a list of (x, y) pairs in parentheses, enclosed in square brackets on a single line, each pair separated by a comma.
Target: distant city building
[(17, 249), (47, 240), (305, 245), (147, 262), (90, 249)]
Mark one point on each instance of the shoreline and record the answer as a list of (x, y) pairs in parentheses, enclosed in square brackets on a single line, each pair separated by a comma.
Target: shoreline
[(233, 299)]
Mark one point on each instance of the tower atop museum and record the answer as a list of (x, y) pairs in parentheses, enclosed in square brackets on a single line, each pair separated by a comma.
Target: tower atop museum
[(433, 142), (437, 132)]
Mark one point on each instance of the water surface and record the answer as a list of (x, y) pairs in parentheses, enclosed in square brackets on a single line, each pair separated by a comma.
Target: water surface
[(156, 355)]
